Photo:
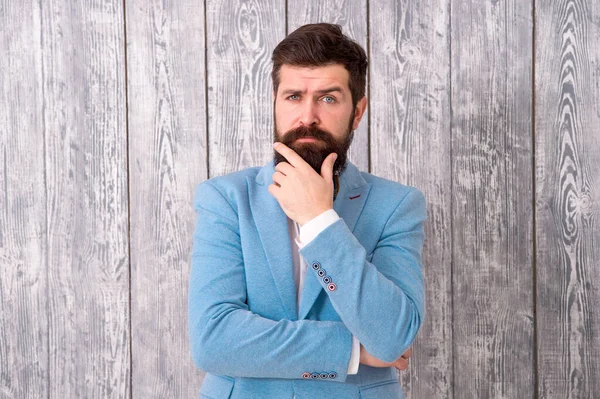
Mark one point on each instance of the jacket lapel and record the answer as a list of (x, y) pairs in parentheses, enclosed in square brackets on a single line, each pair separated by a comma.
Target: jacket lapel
[(272, 226)]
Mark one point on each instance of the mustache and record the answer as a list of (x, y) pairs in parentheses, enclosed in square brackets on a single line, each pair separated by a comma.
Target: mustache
[(307, 131)]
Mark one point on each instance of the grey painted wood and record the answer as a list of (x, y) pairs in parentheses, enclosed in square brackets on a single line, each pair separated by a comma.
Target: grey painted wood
[(492, 221), (23, 262), (167, 159), (352, 17), (84, 116), (241, 37), (567, 142), (410, 143), (450, 112)]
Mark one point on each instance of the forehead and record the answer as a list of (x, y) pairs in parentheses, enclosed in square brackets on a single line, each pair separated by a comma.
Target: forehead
[(313, 78)]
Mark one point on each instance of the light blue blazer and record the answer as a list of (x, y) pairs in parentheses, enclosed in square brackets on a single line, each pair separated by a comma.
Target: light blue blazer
[(364, 279)]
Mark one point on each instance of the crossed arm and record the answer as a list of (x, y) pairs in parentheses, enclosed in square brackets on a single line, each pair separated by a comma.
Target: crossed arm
[(227, 338), (385, 323)]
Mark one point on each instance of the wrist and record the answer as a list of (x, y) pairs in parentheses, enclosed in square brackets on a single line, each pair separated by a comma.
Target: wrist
[(305, 219)]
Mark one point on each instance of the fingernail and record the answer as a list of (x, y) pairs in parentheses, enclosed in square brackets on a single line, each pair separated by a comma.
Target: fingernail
[(275, 144)]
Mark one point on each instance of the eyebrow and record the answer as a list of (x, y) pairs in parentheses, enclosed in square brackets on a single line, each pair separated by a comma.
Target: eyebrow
[(320, 92)]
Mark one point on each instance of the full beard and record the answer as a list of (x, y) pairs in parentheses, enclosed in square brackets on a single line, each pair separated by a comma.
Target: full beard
[(314, 153)]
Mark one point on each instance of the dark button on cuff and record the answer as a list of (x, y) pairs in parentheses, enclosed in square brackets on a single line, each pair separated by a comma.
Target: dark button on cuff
[(321, 272), (316, 265), (327, 279), (306, 375), (333, 375), (314, 376), (331, 287)]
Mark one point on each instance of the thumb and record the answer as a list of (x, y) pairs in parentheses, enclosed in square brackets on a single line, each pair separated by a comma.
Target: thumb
[(327, 167)]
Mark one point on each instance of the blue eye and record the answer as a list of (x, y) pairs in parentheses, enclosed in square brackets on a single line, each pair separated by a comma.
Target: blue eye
[(329, 98), (293, 95)]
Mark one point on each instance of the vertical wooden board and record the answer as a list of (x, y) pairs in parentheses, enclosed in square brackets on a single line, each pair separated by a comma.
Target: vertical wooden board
[(241, 37), (88, 267), (167, 159), (23, 277), (567, 143), (410, 143), (492, 199), (352, 17)]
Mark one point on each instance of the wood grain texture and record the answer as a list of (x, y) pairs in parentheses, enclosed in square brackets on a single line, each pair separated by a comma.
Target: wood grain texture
[(450, 112), (241, 36), (86, 180), (167, 159), (567, 138), (492, 199), (23, 262), (352, 17), (410, 143)]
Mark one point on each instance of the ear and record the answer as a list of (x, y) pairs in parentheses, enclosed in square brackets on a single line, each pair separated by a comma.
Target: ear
[(361, 106)]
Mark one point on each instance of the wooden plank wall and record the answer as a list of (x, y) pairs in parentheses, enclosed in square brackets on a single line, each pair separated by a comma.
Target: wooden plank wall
[(112, 112), (492, 216), (83, 108), (24, 347), (567, 198), (410, 121), (167, 157)]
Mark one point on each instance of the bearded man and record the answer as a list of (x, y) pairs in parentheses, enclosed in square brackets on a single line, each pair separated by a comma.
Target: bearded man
[(306, 278)]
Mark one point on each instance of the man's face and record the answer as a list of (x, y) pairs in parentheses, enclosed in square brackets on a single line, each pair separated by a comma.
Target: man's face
[(314, 114)]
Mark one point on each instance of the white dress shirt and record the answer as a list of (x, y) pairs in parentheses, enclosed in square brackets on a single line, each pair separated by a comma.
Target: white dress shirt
[(302, 236)]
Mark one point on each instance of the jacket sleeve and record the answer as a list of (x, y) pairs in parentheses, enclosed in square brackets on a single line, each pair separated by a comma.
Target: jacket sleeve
[(226, 337), (380, 297)]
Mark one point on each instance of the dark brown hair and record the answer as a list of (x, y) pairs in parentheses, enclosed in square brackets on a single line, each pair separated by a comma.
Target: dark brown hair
[(322, 44)]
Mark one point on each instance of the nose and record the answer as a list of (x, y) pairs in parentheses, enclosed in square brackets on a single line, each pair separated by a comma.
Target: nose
[(309, 115)]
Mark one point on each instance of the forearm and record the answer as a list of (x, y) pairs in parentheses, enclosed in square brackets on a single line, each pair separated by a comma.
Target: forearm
[(380, 301), (236, 342), (386, 323)]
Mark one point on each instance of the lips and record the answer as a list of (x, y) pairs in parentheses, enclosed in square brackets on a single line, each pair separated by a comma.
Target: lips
[(308, 139)]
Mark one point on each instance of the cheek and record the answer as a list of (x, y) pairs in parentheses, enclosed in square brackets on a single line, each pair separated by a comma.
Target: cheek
[(338, 121), (284, 117)]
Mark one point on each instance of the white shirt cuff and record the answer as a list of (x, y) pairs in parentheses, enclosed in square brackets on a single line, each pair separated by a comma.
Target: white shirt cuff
[(312, 228), (354, 356)]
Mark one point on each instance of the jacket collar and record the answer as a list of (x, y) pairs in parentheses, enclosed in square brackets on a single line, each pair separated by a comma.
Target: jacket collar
[(272, 225)]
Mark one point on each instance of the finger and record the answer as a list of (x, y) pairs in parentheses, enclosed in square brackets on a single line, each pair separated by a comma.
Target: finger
[(327, 167), (284, 168), (278, 177), (401, 363), (292, 157), (274, 190), (408, 353)]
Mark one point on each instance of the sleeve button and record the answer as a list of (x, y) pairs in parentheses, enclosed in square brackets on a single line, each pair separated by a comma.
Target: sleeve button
[(321, 272), (333, 375), (314, 376), (327, 279), (331, 286), (324, 376), (316, 265), (306, 375)]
